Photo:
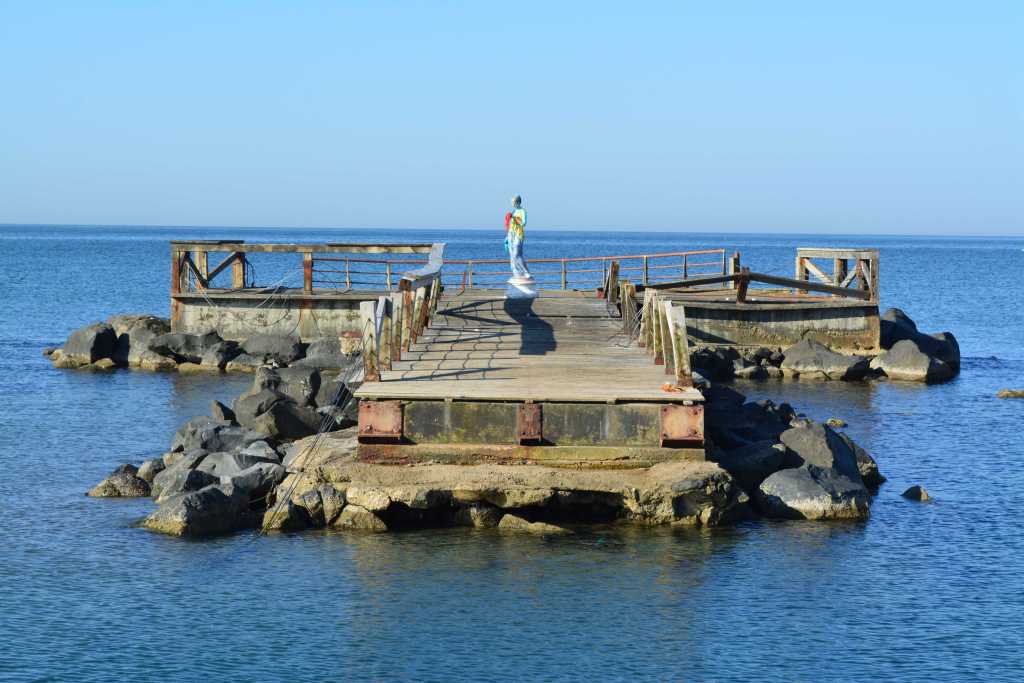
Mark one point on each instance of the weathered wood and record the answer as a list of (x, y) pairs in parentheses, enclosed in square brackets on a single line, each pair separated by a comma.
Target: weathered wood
[(665, 341), (839, 271), (408, 313), (238, 272), (742, 282), (628, 307), (368, 337), (307, 272), (612, 288), (202, 264), (384, 332), (657, 346), (420, 305), (175, 271), (219, 268), (397, 301), (813, 269), (676, 315)]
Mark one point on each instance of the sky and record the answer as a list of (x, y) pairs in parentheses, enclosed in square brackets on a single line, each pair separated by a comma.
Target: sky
[(874, 117)]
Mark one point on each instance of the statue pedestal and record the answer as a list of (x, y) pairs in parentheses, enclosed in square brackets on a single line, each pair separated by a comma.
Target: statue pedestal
[(521, 288)]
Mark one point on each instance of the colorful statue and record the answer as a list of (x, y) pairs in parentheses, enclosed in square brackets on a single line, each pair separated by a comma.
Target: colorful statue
[(515, 233)]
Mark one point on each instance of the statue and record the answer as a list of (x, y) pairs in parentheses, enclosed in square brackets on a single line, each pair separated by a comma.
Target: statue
[(515, 227)]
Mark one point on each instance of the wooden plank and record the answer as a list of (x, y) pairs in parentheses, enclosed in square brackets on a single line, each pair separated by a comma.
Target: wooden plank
[(407, 318), (238, 272), (228, 260), (368, 336), (824, 252), (676, 314), (397, 300), (384, 330), (813, 269), (307, 272)]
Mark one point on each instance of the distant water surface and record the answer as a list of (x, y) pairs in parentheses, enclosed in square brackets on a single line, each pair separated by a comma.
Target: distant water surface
[(918, 592)]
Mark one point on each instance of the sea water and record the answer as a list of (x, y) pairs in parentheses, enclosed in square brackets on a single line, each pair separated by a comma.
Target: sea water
[(917, 592)]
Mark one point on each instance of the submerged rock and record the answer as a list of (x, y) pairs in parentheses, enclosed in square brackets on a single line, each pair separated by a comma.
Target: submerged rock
[(917, 492), (514, 523), (1010, 393), (354, 517)]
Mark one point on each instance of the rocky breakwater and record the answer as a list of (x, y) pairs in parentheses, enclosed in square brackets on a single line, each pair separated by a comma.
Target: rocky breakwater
[(907, 355), (283, 458), (221, 469), (146, 342)]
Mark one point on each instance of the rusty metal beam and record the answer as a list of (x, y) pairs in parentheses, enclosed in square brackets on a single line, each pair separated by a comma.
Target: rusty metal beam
[(380, 422), (530, 424), (682, 425)]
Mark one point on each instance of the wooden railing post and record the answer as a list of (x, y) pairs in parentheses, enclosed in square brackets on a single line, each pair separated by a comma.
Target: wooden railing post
[(384, 354), (734, 268), (418, 312), (238, 271), (612, 292), (678, 343), (644, 281), (307, 272), (407, 317), (839, 271), (656, 338), (469, 274), (368, 325), (686, 266), (565, 275), (175, 271), (387, 269), (397, 301), (203, 264)]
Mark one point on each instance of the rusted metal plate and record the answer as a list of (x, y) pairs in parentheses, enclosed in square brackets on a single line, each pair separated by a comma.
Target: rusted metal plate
[(682, 425), (380, 421), (530, 423)]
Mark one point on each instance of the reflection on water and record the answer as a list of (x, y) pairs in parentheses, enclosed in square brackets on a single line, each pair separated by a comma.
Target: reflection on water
[(916, 592)]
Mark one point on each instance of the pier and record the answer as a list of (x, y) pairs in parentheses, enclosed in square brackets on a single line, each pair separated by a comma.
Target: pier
[(592, 372)]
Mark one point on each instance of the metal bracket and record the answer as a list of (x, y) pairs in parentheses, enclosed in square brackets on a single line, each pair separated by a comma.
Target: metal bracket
[(682, 425), (529, 424), (380, 421)]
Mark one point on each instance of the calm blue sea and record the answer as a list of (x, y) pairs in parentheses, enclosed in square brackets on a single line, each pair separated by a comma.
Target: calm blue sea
[(919, 592)]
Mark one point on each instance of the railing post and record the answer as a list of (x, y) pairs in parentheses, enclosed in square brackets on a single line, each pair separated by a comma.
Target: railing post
[(565, 276), (686, 266), (368, 324), (801, 271), (397, 300), (238, 271), (469, 273), (645, 271), (307, 272), (384, 355), (734, 268), (348, 275), (387, 268), (203, 265), (675, 316), (175, 271), (407, 316), (612, 293), (839, 271)]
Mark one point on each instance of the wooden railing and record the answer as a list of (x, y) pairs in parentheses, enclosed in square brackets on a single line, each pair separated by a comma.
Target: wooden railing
[(661, 330), (851, 269), (582, 272), (392, 322), (191, 270)]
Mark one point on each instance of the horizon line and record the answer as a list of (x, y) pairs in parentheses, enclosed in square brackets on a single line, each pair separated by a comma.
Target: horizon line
[(535, 229)]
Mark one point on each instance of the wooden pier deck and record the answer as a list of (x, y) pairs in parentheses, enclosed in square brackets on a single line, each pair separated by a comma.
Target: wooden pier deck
[(554, 379)]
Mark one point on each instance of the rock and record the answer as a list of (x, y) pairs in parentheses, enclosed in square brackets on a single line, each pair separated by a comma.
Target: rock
[(286, 420), (751, 372), (180, 479), (752, 464), (313, 504), (220, 354), (134, 333), (916, 492), (257, 481), (277, 347), (906, 361), (243, 362), (212, 435), (101, 365), (514, 523), (808, 358), (333, 503), (323, 354), (479, 516), (192, 367), (866, 465), (184, 347), (944, 347), (815, 444), (895, 326), (48, 350), (121, 484), (192, 458), (150, 468), (835, 423), (221, 413), (369, 498), (151, 360), (88, 345), (359, 518), (262, 450), (214, 509), (226, 464), (1010, 393), (285, 516), (299, 384), (254, 403), (811, 492)]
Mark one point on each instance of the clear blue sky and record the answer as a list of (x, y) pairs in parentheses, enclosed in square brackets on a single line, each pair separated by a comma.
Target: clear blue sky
[(891, 117)]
